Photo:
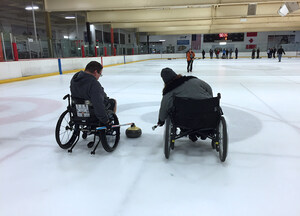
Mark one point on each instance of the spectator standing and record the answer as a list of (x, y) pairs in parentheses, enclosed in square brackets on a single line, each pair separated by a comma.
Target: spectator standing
[(279, 53), (269, 53), (257, 53), (224, 54), (274, 52), (217, 53), (236, 53), (230, 53), (203, 54), (190, 55), (211, 53), (253, 54)]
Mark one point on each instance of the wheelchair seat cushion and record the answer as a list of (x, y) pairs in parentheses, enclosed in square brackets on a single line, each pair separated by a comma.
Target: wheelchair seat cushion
[(196, 114)]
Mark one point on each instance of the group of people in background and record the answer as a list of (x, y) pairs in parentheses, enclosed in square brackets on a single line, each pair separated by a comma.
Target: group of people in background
[(271, 52), (227, 53)]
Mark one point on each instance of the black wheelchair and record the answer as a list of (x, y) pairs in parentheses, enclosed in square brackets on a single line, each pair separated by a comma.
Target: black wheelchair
[(80, 117), (203, 118)]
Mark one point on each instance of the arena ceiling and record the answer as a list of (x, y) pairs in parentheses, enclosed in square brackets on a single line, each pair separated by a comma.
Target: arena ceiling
[(166, 17)]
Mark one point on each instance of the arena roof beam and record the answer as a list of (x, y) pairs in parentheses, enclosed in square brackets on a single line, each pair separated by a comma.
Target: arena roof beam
[(103, 5), (170, 16)]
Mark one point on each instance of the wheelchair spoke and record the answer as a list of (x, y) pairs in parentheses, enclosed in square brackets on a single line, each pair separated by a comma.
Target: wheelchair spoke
[(66, 134)]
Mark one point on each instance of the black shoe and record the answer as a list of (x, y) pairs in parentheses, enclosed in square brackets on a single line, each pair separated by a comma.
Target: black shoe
[(203, 137), (188, 71), (193, 137)]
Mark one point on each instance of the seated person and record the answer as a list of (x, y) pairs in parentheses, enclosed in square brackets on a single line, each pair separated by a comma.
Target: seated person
[(181, 86), (85, 85)]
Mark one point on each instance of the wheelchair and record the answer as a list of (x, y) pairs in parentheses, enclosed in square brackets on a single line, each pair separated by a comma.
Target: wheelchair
[(80, 118), (203, 118)]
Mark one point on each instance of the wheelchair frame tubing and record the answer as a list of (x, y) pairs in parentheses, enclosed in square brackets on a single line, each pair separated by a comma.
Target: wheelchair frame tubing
[(94, 150)]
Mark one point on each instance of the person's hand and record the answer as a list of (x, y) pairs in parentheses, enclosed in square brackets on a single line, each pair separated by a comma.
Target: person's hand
[(160, 123)]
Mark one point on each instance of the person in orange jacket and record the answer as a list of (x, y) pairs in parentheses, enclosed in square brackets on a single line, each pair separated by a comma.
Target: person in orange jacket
[(190, 55)]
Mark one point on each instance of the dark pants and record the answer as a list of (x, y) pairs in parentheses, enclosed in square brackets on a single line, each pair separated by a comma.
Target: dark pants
[(190, 66)]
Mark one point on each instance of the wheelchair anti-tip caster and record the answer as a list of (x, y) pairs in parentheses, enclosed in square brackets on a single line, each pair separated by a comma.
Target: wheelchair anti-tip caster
[(84, 135), (90, 144), (70, 150)]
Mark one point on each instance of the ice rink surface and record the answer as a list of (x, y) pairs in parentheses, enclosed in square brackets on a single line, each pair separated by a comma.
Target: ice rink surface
[(260, 100)]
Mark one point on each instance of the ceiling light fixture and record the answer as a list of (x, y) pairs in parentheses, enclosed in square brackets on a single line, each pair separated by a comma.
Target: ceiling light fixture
[(222, 43), (70, 17), (283, 10), (288, 7), (30, 7)]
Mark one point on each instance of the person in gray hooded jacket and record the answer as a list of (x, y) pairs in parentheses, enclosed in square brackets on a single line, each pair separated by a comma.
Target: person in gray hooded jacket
[(180, 86), (85, 85)]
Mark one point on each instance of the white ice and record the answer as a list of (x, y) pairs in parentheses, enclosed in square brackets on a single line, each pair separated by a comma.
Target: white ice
[(260, 99)]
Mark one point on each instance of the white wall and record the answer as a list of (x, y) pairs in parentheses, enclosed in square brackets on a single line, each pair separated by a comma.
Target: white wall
[(9, 70)]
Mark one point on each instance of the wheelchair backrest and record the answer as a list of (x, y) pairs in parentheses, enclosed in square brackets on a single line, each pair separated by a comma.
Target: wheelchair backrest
[(196, 114), (83, 110)]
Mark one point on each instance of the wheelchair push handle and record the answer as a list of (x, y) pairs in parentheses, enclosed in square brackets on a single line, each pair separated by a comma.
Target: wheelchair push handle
[(66, 96)]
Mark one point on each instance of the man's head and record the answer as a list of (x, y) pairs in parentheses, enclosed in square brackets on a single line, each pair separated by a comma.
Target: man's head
[(94, 68), (167, 74)]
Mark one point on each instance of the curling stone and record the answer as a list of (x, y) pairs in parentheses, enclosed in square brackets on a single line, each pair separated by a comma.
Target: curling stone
[(133, 131)]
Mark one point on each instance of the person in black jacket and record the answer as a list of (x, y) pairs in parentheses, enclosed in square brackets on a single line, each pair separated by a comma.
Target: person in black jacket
[(257, 53), (236, 53), (279, 53), (203, 54), (85, 85), (274, 52), (253, 54)]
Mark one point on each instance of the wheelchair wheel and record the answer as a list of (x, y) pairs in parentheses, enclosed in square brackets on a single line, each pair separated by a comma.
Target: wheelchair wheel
[(110, 138), (66, 132), (223, 139), (167, 136)]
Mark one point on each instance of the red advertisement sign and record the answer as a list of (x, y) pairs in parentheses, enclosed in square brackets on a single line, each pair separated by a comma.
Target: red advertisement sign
[(223, 35), (251, 46), (251, 34)]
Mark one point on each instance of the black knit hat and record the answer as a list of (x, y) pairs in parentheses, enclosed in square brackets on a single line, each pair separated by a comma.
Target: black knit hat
[(167, 74)]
